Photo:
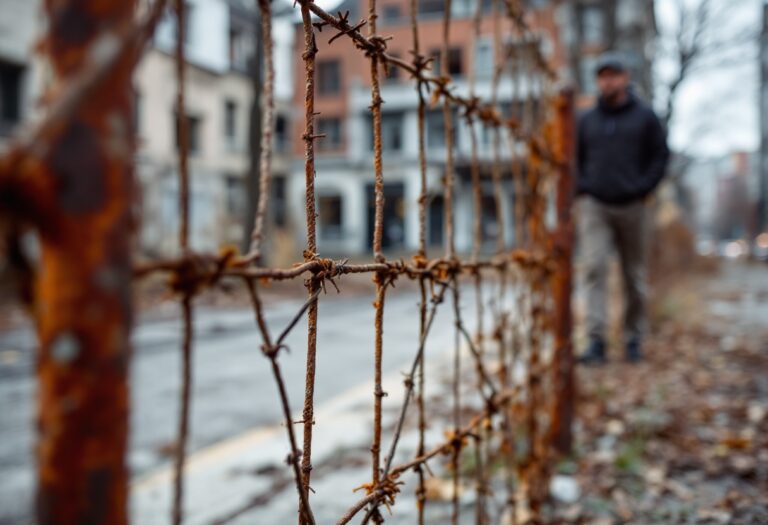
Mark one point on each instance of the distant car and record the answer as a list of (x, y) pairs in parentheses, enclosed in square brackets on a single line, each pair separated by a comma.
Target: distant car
[(733, 249), (761, 247), (705, 247)]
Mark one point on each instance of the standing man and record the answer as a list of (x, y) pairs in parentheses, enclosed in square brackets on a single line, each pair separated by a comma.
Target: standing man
[(622, 155)]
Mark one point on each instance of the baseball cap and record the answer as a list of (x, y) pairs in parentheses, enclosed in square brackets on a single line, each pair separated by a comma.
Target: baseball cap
[(610, 60)]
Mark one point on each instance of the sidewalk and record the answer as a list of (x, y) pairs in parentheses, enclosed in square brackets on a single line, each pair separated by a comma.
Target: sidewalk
[(683, 437)]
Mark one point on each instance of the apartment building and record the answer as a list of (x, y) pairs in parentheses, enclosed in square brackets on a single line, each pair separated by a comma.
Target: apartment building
[(219, 47), (20, 76), (344, 157)]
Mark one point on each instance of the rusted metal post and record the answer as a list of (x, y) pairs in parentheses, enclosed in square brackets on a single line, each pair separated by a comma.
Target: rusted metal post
[(564, 381), (82, 299)]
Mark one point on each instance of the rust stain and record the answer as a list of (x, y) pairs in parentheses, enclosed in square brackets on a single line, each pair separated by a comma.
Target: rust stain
[(82, 299), (77, 162)]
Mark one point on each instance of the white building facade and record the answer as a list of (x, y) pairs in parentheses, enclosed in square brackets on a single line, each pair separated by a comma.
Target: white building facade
[(218, 99), (20, 74), (220, 44)]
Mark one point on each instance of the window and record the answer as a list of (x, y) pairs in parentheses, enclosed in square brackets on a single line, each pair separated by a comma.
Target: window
[(279, 203), (328, 77), (435, 218), (435, 129), (330, 215), (331, 128), (240, 49), (431, 7), (281, 133), (392, 74), (391, 132), (454, 62), (235, 195), (484, 58), (587, 66), (192, 125), (392, 13), (592, 24), (188, 14), (393, 227), (487, 134), (10, 96), (230, 122), (489, 225)]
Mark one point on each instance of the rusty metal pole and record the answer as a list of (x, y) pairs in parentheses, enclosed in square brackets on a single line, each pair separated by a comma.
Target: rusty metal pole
[(564, 381), (82, 293)]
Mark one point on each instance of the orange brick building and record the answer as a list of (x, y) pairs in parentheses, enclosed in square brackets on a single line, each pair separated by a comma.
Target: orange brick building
[(344, 181)]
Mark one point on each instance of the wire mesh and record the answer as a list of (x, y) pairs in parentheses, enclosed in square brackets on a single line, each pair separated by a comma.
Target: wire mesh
[(518, 365)]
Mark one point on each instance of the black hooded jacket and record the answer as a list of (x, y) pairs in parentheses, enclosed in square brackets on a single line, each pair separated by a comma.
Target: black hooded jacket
[(622, 152)]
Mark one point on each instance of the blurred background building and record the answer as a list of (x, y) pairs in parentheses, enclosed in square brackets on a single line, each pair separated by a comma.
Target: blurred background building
[(220, 45), (20, 79), (591, 27), (724, 203), (344, 156)]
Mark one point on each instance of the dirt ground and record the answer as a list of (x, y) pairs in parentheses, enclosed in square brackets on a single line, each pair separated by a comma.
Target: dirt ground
[(682, 437)]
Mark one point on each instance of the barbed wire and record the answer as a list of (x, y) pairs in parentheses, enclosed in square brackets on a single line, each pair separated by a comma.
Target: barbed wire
[(510, 409)]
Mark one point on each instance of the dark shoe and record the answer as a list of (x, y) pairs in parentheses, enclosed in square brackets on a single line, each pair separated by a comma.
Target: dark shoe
[(595, 353), (634, 353)]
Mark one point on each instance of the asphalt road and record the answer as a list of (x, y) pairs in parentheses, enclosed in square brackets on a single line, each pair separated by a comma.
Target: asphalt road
[(233, 386)]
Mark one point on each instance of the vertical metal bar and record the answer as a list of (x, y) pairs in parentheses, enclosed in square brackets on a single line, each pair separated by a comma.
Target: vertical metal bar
[(379, 278), (378, 392), (82, 293), (378, 186), (498, 67), (564, 380), (421, 493), (180, 453), (477, 229), (308, 414), (450, 247), (182, 126), (267, 116), (477, 225), (456, 383)]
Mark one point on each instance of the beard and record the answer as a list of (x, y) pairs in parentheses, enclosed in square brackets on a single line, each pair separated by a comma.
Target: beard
[(613, 96)]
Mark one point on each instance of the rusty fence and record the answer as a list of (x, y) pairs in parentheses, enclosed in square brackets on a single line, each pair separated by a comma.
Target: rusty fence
[(69, 178)]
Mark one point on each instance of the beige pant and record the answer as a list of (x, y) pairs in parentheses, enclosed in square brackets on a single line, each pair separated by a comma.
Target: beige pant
[(604, 228)]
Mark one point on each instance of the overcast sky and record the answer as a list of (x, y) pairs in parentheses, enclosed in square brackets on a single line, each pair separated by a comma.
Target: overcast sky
[(717, 108)]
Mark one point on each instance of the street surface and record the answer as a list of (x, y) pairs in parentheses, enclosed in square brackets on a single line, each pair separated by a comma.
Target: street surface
[(234, 390)]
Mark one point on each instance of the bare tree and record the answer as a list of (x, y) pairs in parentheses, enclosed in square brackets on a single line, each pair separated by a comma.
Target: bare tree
[(706, 35), (697, 38)]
